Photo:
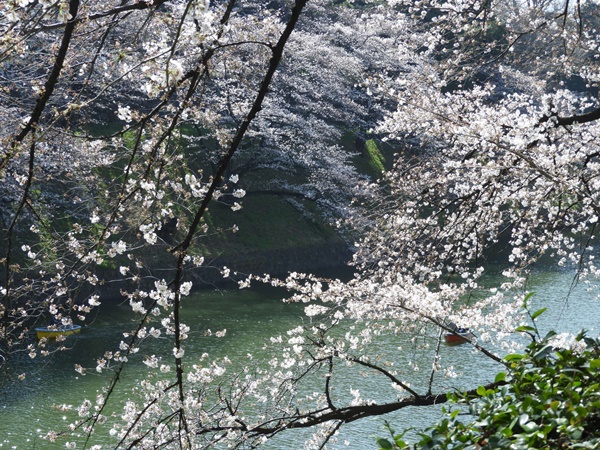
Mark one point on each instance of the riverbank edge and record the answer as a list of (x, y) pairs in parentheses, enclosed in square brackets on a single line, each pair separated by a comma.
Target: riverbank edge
[(277, 262)]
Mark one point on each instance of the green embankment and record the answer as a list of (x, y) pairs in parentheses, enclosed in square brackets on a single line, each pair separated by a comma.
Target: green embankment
[(375, 158), (276, 233), (272, 236), (265, 222), (281, 235)]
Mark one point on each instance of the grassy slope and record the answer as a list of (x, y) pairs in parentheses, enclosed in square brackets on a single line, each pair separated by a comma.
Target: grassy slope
[(266, 222), (269, 225), (269, 222)]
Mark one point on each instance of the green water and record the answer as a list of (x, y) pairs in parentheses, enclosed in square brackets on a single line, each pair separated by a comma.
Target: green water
[(250, 317)]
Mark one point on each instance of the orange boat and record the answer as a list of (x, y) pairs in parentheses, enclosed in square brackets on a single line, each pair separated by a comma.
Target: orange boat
[(459, 336)]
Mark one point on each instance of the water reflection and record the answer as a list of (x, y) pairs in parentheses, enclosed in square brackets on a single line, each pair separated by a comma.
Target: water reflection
[(251, 317)]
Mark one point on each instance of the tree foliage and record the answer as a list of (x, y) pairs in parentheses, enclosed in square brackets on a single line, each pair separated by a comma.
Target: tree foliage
[(124, 121)]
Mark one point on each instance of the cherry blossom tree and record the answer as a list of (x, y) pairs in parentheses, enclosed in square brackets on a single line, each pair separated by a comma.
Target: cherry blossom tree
[(92, 193), (499, 161), (493, 108), (155, 67)]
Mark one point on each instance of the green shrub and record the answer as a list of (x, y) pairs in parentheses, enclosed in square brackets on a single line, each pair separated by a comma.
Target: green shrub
[(551, 400)]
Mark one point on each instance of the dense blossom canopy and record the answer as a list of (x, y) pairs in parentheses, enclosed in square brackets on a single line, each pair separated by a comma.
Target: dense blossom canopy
[(123, 120)]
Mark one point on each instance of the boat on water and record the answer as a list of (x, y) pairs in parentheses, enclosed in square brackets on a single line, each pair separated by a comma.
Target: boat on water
[(458, 336), (54, 331)]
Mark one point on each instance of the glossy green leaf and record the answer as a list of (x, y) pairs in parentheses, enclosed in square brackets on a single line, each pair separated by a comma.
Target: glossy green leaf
[(538, 313), (384, 444), (595, 363), (524, 328)]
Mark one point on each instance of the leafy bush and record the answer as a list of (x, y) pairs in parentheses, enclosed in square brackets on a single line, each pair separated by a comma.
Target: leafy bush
[(548, 399)]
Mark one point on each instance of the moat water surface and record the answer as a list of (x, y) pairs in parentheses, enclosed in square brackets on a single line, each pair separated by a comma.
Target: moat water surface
[(28, 408)]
